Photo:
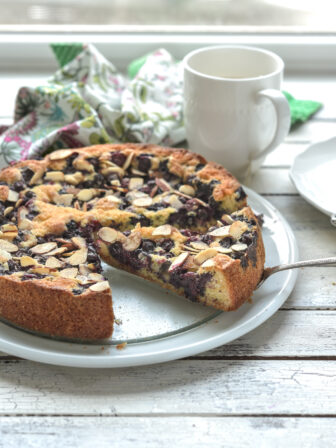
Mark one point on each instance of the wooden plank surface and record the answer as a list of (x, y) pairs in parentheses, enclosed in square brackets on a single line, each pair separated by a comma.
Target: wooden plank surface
[(188, 432), (185, 387)]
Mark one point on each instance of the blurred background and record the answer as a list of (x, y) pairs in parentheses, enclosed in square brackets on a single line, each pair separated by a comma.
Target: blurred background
[(260, 15)]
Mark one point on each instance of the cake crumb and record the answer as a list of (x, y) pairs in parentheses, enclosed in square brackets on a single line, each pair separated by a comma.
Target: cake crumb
[(121, 346), (118, 321)]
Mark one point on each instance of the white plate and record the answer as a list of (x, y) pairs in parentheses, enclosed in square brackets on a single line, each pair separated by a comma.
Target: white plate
[(314, 175), (159, 326)]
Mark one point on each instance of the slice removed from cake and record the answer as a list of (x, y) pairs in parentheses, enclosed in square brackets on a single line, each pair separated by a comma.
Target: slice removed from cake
[(219, 268)]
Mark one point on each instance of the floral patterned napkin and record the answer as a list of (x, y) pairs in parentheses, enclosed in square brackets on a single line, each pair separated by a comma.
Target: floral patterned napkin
[(88, 102)]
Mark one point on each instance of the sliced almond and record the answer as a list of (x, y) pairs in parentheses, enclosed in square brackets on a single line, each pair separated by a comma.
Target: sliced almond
[(53, 262), (135, 183), (132, 242), (9, 236), (37, 176), (204, 255), (164, 230), (68, 273), (108, 235), (142, 202), (178, 261), (78, 257), (82, 280), (220, 231), (187, 189), (40, 270), (57, 251), (239, 247), (61, 154), (8, 228), (164, 185), (199, 245), (227, 219), (128, 161), (113, 170), (4, 256), (85, 195), (237, 229), (74, 179), (79, 241), (8, 210), (99, 287), (43, 248), (95, 277), (137, 172), (30, 241), (13, 196), (55, 176), (223, 250), (25, 224), (113, 199), (174, 201), (64, 199), (83, 269), (7, 246), (28, 261), (210, 263), (115, 182), (83, 165)]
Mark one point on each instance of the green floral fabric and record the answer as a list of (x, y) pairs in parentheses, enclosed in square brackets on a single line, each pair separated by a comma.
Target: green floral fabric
[(88, 102)]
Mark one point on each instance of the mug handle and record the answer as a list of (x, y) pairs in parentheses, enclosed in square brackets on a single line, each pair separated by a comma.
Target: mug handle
[(283, 117)]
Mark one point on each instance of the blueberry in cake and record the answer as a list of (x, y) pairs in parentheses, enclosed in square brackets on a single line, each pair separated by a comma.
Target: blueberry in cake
[(164, 214)]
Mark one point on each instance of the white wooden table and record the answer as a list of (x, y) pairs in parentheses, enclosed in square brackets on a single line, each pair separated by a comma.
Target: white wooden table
[(274, 387)]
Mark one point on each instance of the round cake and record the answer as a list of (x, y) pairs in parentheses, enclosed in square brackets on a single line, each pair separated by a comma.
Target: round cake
[(164, 214)]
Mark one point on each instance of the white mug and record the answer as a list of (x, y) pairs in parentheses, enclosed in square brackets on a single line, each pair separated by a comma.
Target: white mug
[(234, 111)]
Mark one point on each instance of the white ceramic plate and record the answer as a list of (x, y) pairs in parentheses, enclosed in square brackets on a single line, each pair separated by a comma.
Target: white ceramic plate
[(314, 175), (159, 326)]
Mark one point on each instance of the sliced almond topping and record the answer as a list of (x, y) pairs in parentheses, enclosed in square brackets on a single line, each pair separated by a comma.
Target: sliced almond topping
[(37, 176), (204, 255), (74, 179), (112, 198), (57, 251), (101, 286), (8, 228), (199, 245), (209, 263), (113, 170), (83, 165), (164, 185), (85, 195), (164, 230), (137, 172), (43, 248), (25, 224), (132, 242), (82, 280), (13, 196), (187, 189), (52, 262), (227, 219), (8, 210), (79, 241), (68, 273), (239, 247), (61, 154), (135, 182), (237, 229), (174, 201), (223, 250), (115, 182), (55, 176), (108, 235), (83, 269), (95, 277), (64, 199), (9, 236), (178, 261), (128, 161), (220, 231), (4, 256), (78, 257), (30, 241), (142, 202), (7, 246), (40, 270), (28, 261)]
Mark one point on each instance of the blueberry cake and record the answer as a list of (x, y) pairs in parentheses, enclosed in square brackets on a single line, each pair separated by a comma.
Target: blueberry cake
[(164, 214)]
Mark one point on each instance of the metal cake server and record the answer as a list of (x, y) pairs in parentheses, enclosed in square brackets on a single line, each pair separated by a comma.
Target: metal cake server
[(300, 264)]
